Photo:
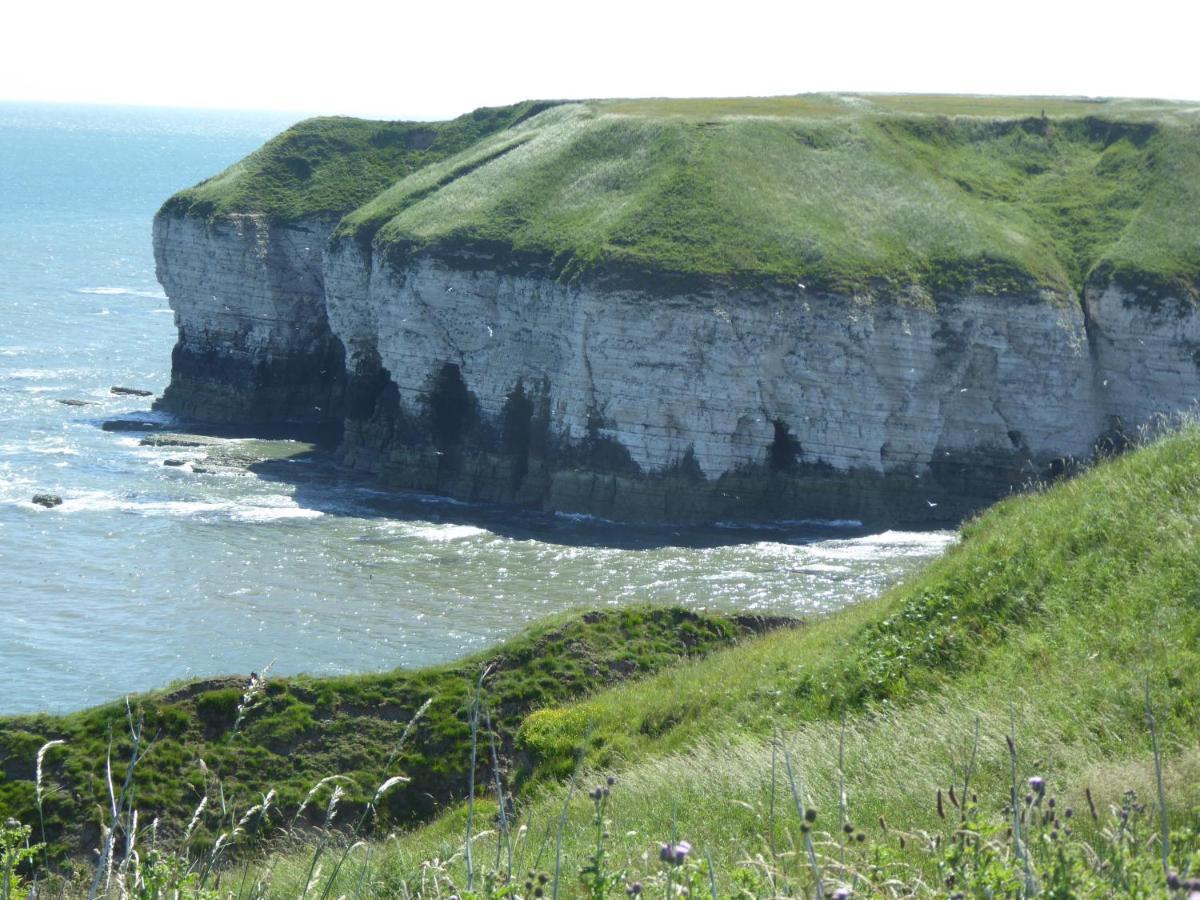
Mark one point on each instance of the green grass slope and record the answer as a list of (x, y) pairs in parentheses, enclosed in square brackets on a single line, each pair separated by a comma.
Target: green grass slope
[(1045, 623), (900, 197), (301, 729), (896, 196), (330, 165)]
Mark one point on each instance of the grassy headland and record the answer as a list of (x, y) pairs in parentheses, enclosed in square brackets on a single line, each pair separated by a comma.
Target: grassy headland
[(893, 196), (329, 165)]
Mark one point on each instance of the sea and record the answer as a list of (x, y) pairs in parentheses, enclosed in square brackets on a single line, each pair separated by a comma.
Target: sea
[(148, 574)]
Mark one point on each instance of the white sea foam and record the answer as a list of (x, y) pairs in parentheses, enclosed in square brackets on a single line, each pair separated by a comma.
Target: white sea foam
[(910, 538), (446, 532), (273, 513), (274, 509), (47, 447), (123, 291), (886, 545)]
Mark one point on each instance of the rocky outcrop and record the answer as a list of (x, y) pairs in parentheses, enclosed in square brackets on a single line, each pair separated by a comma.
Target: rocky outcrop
[(254, 342), (705, 402)]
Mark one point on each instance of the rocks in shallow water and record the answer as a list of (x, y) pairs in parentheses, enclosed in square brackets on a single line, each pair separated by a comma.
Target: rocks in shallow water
[(201, 470), (130, 392), (47, 500), (75, 403), (130, 425), (175, 462), (170, 440)]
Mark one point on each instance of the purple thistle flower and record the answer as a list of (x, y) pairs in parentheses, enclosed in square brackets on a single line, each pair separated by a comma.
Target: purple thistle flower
[(841, 894), (682, 849), (675, 854), (1038, 784)]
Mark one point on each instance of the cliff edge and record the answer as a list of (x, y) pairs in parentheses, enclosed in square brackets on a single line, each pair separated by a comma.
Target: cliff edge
[(888, 308)]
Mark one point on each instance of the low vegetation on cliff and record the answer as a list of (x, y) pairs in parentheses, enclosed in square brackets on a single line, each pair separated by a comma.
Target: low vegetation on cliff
[(889, 196), (284, 734), (1019, 718), (328, 166)]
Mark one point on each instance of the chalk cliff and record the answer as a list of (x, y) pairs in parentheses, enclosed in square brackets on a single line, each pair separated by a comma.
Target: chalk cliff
[(483, 370), (249, 301)]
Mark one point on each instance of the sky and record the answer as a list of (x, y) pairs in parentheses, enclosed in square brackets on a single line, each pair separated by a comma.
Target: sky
[(397, 59)]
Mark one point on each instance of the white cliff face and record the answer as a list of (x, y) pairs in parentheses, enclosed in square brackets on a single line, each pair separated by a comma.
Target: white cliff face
[(859, 386), (249, 303), (921, 406), (1147, 354)]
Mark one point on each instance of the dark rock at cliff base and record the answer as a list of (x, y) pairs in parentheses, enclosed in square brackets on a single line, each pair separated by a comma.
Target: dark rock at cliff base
[(175, 462), (131, 425), (201, 470), (75, 403), (47, 500), (131, 392)]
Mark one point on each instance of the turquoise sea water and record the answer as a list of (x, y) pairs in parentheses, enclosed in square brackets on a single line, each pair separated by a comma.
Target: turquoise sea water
[(149, 573)]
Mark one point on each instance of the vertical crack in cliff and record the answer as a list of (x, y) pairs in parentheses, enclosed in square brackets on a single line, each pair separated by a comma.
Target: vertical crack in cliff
[(585, 357), (436, 319), (1094, 336), (759, 388)]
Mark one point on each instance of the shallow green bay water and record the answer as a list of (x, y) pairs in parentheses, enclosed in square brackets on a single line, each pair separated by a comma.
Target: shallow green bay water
[(149, 573)]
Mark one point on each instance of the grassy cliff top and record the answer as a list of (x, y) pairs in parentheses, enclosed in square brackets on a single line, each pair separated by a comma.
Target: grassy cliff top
[(330, 165), (809, 106), (897, 195)]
